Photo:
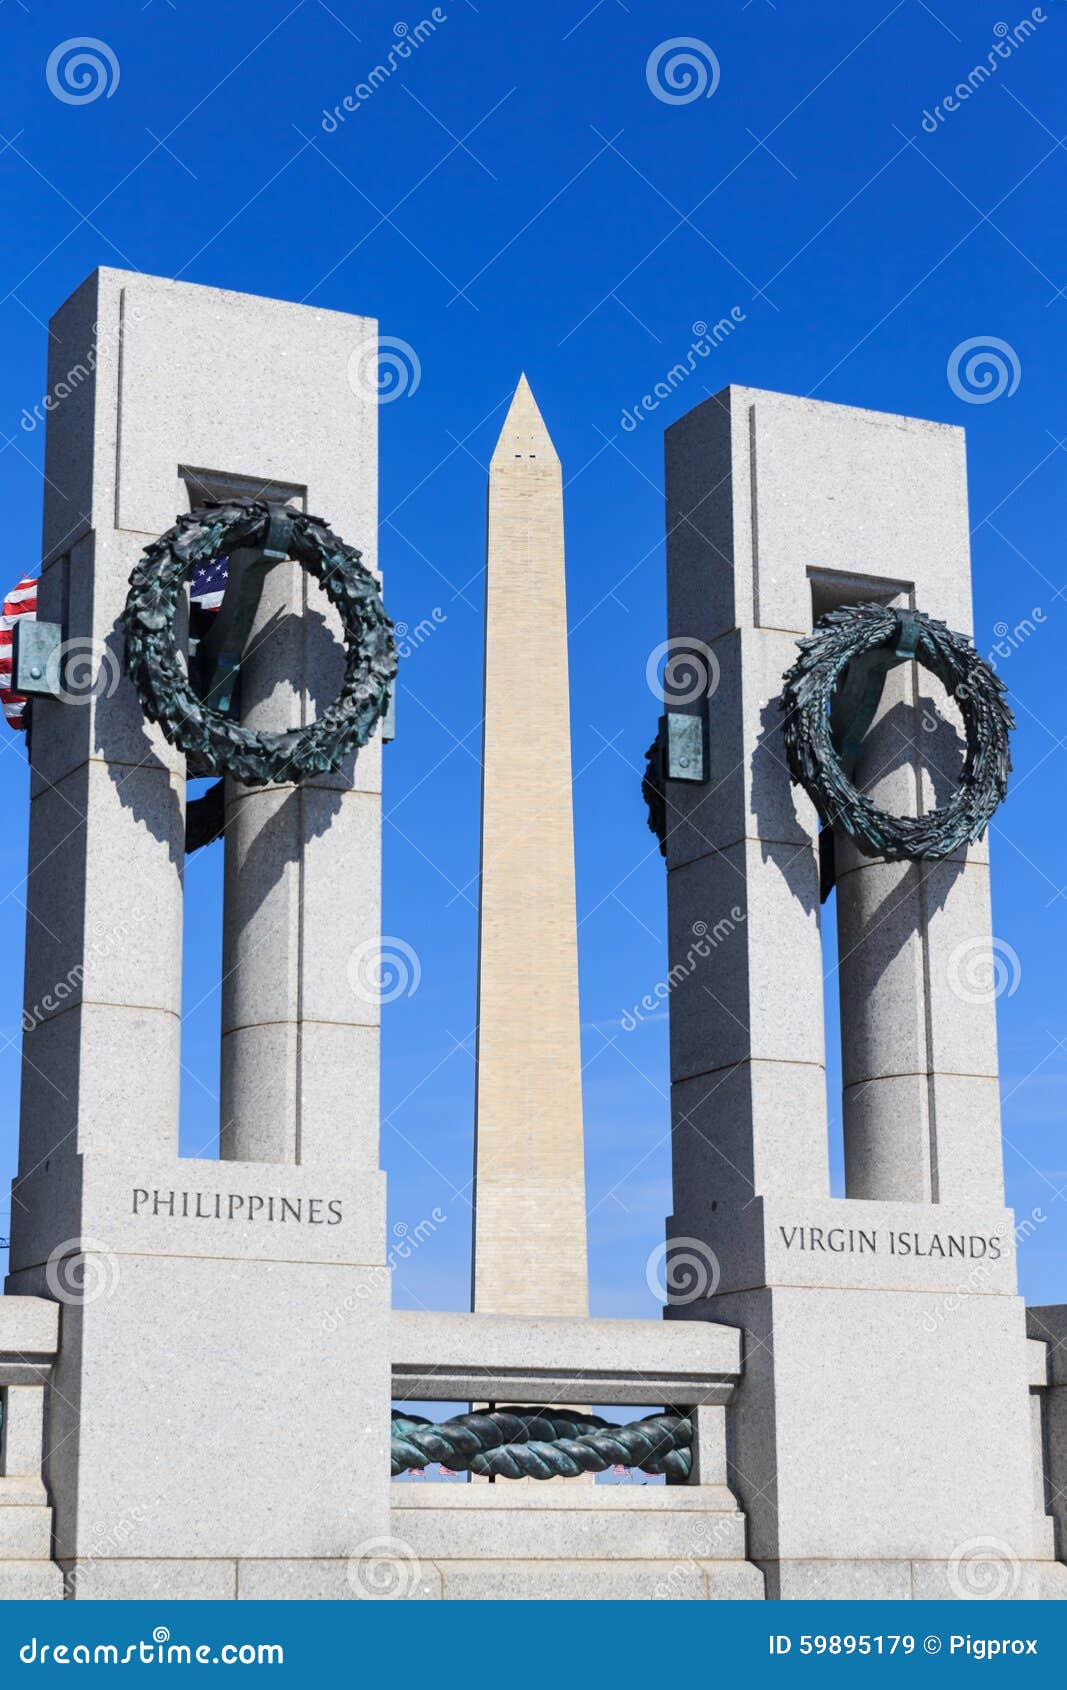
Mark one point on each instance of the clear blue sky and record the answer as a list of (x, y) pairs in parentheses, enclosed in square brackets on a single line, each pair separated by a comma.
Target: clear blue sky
[(514, 195)]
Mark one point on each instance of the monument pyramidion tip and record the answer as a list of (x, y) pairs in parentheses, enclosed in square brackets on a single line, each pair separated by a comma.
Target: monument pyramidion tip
[(524, 438)]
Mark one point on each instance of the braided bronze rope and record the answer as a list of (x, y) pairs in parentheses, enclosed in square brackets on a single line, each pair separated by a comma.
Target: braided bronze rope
[(543, 1443)]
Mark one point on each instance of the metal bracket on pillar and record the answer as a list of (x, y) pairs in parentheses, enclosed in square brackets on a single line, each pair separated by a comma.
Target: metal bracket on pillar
[(685, 746), (389, 719), (37, 658), (678, 752)]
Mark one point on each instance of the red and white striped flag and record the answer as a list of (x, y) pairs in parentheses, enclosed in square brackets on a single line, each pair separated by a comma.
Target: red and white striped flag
[(207, 592), (21, 601)]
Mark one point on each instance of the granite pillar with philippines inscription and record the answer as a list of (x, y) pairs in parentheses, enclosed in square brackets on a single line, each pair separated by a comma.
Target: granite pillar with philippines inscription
[(881, 1441), (219, 1423)]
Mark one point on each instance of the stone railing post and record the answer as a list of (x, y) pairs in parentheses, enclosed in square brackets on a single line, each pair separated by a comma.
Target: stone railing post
[(29, 1339)]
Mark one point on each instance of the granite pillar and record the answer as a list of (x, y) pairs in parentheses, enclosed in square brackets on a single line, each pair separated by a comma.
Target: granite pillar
[(882, 1426), (222, 1386)]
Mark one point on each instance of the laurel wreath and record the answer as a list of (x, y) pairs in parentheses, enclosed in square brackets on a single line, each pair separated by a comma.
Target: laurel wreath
[(154, 662), (815, 761)]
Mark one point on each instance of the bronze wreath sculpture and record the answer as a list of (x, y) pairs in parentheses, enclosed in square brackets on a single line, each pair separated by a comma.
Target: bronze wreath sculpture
[(829, 699), (215, 741)]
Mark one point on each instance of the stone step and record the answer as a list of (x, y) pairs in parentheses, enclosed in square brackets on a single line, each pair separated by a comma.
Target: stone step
[(593, 1581), (25, 1533), (30, 1581), (595, 1523)]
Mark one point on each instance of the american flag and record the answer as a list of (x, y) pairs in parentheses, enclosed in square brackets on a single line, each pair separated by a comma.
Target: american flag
[(206, 593), (209, 584), (20, 601)]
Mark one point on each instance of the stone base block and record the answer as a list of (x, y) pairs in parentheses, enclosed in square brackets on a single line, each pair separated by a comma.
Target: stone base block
[(383, 1570), (26, 1533), (286, 1363), (30, 1581), (883, 1429), (95, 1579), (599, 1581), (539, 1523), (379, 1569), (982, 1575), (1052, 1581)]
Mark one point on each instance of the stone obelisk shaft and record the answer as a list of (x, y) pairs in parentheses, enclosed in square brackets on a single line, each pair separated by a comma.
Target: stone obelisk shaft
[(529, 1231)]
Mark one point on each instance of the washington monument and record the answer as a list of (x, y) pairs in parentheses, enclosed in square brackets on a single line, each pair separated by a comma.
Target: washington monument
[(529, 1228)]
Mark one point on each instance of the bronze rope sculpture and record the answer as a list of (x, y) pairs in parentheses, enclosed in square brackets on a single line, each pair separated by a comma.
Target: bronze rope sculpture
[(543, 1443)]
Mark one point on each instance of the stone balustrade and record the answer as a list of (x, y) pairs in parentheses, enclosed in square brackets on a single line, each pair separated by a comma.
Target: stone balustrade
[(29, 1339), (498, 1358), (543, 1360), (1047, 1331), (573, 1538)]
